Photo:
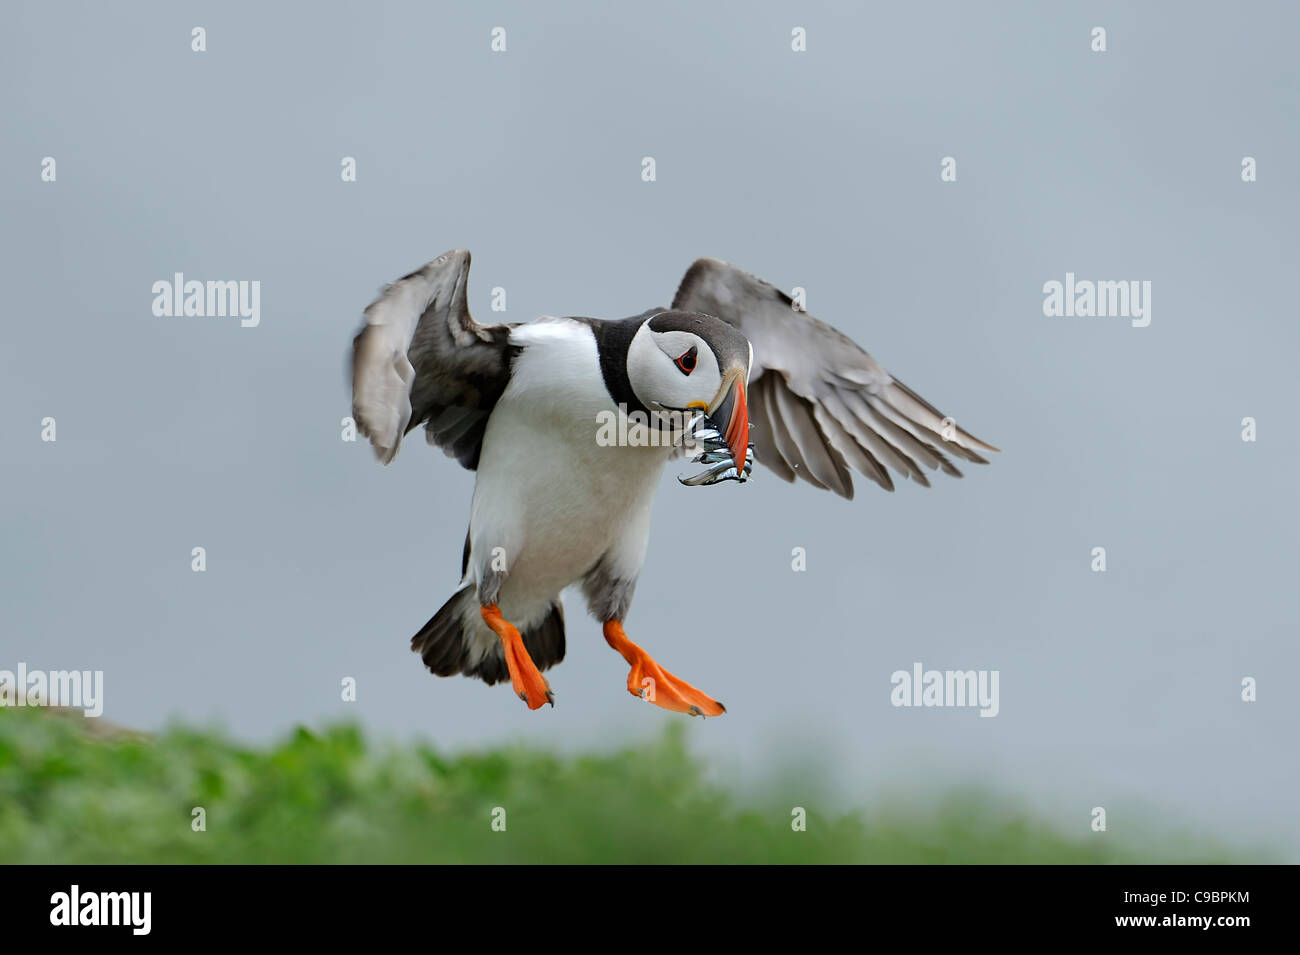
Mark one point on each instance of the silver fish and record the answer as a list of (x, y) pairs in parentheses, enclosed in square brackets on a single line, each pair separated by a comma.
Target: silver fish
[(717, 455)]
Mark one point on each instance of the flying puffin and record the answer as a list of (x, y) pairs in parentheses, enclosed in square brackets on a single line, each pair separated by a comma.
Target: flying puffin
[(553, 505)]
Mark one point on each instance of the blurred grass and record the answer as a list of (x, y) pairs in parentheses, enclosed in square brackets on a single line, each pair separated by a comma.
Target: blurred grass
[(72, 791)]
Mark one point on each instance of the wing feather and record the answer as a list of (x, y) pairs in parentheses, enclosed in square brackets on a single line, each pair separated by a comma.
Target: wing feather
[(786, 445), (421, 358), (822, 404), (816, 453), (765, 432)]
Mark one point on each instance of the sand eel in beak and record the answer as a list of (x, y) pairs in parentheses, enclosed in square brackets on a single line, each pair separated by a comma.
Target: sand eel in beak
[(569, 423)]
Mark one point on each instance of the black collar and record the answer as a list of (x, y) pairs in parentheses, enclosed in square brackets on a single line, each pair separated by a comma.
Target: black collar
[(613, 338)]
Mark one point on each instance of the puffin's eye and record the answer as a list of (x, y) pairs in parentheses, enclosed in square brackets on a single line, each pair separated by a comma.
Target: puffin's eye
[(686, 360)]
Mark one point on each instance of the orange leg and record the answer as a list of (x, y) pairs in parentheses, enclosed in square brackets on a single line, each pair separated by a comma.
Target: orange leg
[(524, 675), (656, 685)]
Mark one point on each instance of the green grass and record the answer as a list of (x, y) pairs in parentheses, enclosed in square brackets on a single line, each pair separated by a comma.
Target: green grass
[(67, 795)]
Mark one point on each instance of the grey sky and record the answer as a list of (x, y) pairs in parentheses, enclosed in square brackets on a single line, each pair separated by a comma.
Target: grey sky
[(816, 169)]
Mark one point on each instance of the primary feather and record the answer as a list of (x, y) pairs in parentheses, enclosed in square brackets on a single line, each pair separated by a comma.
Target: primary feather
[(819, 403)]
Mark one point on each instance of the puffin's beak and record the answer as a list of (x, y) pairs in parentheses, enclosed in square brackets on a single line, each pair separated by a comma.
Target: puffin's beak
[(732, 418)]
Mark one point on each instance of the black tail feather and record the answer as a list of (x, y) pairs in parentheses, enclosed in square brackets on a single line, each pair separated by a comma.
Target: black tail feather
[(444, 646), (440, 642)]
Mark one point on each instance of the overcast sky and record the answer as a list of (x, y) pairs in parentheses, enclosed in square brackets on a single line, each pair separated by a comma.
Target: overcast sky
[(818, 169)]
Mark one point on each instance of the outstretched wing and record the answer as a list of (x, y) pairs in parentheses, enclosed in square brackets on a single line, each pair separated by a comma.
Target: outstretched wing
[(819, 404), (421, 359)]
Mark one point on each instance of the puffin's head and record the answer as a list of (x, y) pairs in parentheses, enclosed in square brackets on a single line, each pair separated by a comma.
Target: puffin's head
[(687, 361)]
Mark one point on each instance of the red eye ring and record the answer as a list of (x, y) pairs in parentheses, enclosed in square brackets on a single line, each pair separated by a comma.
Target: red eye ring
[(686, 360)]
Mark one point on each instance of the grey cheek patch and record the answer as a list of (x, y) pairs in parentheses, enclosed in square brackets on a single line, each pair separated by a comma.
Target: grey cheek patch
[(714, 453)]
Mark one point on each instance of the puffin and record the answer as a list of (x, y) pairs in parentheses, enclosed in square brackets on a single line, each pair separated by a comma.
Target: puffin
[(557, 502)]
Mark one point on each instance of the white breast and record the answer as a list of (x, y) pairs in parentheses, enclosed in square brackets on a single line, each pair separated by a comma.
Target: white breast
[(548, 494)]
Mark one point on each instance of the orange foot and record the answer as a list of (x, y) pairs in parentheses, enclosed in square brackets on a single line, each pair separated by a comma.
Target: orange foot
[(656, 685), (527, 680)]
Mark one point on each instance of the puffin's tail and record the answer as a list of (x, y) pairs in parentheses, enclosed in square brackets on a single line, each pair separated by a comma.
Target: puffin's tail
[(455, 640)]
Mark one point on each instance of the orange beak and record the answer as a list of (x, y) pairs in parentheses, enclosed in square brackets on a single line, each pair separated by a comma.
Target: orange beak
[(732, 416)]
